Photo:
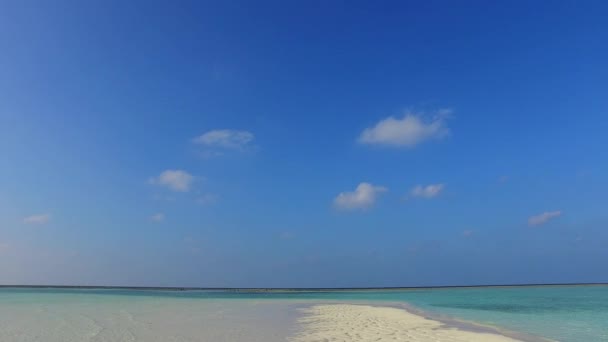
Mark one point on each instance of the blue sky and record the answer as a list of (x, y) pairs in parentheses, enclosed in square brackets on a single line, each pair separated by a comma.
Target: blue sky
[(305, 143)]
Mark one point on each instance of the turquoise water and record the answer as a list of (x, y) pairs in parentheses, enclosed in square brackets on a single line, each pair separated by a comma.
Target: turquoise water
[(562, 313)]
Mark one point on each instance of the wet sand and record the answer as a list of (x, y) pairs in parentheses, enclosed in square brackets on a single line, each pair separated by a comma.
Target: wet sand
[(148, 320)]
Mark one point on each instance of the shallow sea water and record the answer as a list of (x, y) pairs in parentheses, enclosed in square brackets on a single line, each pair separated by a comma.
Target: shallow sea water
[(562, 313)]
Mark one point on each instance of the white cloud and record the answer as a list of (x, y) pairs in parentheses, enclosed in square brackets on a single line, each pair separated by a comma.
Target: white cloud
[(158, 217), (408, 131), (543, 218), (176, 180), (363, 197), (37, 219), (467, 232), (428, 191), (225, 138)]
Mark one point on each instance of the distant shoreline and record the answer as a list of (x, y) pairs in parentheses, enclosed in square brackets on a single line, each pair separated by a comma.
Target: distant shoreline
[(286, 289)]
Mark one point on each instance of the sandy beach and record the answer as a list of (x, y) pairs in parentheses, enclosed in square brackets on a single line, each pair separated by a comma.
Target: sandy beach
[(112, 316), (113, 319), (363, 323)]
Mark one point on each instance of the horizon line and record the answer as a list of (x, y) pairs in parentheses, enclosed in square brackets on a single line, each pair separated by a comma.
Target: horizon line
[(295, 289)]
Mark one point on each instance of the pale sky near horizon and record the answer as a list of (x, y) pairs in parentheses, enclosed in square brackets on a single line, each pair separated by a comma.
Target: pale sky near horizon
[(304, 143)]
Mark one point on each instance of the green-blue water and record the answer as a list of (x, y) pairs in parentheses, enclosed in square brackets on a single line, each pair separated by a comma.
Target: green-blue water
[(562, 313)]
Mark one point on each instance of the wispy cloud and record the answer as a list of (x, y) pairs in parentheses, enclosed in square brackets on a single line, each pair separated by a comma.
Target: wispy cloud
[(543, 218), (408, 131), (467, 233), (364, 196), (37, 219), (158, 217), (175, 180), (225, 139), (428, 191)]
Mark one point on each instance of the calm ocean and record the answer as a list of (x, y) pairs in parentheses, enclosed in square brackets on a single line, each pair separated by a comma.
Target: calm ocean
[(562, 313)]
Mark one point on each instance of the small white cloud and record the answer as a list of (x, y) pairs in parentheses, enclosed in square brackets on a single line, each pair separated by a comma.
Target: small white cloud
[(467, 233), (543, 218), (408, 131), (176, 180), (363, 197), (225, 138), (37, 219), (428, 191), (158, 217)]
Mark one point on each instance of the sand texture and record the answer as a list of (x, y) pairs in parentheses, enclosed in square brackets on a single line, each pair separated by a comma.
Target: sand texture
[(363, 323)]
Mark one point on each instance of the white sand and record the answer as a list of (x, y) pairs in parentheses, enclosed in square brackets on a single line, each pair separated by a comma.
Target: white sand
[(354, 323), (105, 318)]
